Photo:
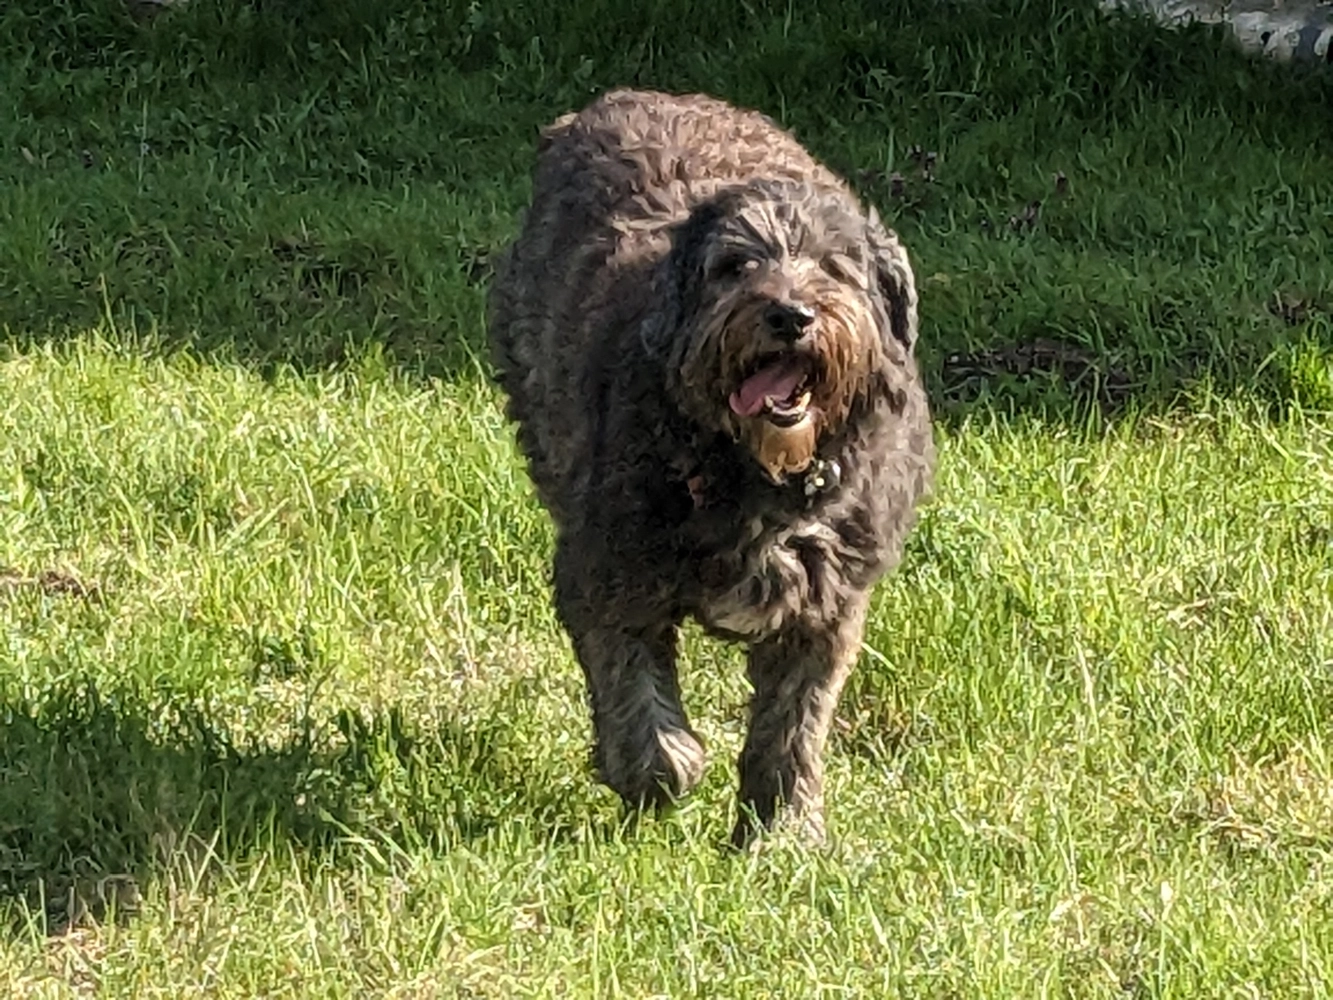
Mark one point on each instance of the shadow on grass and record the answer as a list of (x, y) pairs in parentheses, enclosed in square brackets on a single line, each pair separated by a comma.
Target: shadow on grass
[(101, 790), (1111, 211)]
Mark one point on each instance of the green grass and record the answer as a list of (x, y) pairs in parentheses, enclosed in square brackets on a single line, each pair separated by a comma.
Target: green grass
[(284, 709)]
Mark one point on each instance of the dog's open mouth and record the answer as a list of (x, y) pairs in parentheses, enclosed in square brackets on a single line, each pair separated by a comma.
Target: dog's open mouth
[(778, 386)]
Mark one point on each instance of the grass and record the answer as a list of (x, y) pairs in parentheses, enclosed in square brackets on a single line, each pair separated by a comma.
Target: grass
[(285, 708)]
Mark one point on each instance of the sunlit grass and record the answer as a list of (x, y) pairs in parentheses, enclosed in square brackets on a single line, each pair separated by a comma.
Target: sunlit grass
[(284, 708)]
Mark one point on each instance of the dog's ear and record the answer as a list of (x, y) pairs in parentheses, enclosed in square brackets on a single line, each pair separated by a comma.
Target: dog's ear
[(893, 284), (681, 279)]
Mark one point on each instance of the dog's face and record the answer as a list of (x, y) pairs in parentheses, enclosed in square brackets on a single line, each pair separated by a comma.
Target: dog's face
[(785, 308)]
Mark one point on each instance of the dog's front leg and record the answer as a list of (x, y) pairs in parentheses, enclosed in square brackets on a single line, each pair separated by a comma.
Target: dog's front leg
[(645, 749), (798, 675)]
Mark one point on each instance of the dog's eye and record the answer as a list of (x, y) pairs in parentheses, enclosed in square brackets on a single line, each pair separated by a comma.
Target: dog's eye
[(732, 266), (842, 268)]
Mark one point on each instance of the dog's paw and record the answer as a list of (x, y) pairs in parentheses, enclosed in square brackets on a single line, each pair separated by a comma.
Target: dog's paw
[(791, 825), (664, 768)]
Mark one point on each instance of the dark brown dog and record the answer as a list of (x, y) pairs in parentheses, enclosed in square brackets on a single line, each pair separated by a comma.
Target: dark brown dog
[(707, 345)]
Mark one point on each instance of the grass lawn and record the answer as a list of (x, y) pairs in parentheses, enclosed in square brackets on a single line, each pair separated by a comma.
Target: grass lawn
[(284, 709)]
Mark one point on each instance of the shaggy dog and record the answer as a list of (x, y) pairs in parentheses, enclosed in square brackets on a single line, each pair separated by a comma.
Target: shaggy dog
[(707, 347)]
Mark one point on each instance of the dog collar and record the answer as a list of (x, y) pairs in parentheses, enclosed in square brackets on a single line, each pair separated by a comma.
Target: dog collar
[(822, 476)]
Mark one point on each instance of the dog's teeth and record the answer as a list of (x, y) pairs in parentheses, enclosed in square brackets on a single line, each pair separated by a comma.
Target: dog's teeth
[(779, 406)]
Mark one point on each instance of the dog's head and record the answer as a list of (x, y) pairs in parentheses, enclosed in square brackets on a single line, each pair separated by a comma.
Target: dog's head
[(784, 307)]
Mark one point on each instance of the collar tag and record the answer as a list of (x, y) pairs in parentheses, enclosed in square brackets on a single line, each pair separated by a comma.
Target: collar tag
[(823, 475)]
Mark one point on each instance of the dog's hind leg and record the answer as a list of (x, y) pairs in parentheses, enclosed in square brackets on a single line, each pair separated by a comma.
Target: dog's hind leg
[(645, 749), (798, 676)]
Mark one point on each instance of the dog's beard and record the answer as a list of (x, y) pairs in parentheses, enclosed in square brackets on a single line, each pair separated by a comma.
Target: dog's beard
[(780, 401)]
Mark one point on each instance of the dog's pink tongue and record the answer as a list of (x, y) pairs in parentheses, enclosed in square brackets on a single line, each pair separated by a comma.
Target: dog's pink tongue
[(779, 380)]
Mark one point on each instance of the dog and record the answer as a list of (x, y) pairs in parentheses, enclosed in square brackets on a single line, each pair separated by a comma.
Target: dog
[(707, 347)]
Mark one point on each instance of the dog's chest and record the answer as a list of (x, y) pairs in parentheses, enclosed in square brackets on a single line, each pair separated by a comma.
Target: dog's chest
[(775, 576)]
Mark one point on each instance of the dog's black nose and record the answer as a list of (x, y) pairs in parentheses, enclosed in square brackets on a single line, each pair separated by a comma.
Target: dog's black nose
[(788, 319)]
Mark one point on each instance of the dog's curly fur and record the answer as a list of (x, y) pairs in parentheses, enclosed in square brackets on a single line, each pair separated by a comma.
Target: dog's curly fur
[(685, 275)]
